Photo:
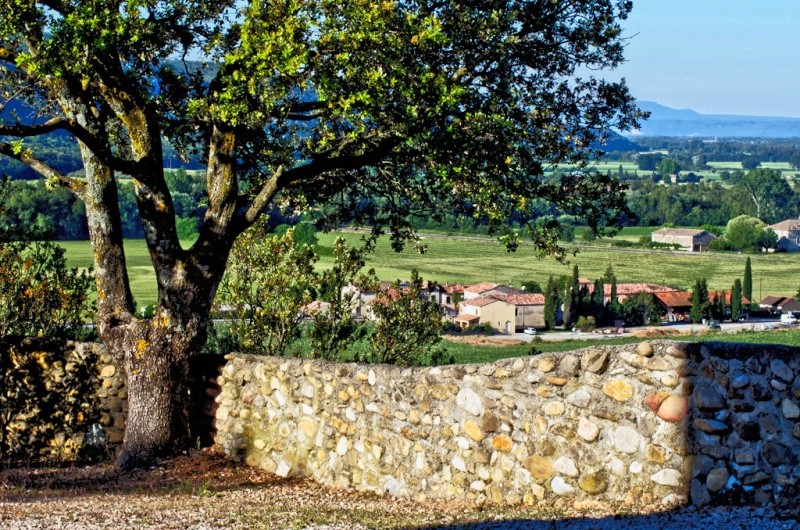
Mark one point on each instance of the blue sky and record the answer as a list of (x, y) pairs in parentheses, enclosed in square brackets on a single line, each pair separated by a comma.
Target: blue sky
[(715, 56)]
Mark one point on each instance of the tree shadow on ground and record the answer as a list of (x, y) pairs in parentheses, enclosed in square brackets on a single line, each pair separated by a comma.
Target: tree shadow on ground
[(197, 472)]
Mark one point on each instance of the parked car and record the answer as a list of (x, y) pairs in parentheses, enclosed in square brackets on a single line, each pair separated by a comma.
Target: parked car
[(788, 318), (713, 324), (529, 331)]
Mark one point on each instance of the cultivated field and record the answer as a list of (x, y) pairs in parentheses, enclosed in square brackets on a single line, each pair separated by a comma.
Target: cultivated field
[(467, 260)]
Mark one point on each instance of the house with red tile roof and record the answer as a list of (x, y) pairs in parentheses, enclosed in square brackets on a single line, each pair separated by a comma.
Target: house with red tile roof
[(477, 290), (676, 305), (496, 312)]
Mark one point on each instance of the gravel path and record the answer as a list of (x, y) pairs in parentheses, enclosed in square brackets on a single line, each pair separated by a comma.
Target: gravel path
[(206, 492)]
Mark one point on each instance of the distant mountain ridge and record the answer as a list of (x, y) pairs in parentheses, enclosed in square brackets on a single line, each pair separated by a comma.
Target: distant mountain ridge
[(665, 121)]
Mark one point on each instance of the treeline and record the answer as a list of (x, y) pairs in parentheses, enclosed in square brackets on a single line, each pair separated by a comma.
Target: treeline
[(760, 193), (54, 213), (575, 304), (692, 153)]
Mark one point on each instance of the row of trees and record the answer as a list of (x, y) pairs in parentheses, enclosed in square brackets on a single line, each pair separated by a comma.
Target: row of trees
[(760, 193), (570, 303)]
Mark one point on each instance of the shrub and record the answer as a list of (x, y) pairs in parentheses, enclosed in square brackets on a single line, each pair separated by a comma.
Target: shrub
[(267, 283), (407, 328), (586, 324), (333, 330), (39, 295)]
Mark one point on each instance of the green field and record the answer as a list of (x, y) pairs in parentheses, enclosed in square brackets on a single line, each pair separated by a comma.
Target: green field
[(468, 261)]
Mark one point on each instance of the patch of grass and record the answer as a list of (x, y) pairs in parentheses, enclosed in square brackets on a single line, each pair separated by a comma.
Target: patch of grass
[(188, 487)]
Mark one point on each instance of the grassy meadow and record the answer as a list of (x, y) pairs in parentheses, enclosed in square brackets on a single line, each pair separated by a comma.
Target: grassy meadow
[(470, 261)]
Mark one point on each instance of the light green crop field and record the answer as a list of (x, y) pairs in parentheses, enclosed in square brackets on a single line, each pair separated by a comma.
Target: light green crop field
[(472, 261), (450, 260)]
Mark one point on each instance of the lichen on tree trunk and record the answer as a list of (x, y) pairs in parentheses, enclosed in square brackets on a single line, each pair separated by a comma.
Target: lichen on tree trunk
[(154, 355)]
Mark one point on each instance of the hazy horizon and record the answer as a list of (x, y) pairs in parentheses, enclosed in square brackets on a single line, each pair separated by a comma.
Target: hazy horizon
[(715, 56)]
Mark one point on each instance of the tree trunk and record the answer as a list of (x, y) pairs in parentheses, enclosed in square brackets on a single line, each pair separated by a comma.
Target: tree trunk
[(154, 355)]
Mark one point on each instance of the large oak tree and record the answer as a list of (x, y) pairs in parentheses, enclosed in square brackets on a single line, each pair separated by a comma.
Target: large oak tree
[(381, 109)]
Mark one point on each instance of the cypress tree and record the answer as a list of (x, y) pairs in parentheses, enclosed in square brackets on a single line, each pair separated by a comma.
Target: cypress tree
[(736, 300), (700, 305), (747, 284), (568, 309), (598, 293), (551, 304), (572, 305)]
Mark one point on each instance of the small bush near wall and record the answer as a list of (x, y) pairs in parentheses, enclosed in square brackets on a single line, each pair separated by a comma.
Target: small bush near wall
[(47, 401)]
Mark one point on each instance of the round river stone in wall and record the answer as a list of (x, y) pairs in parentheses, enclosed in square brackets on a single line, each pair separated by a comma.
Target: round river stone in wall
[(560, 486), (539, 467), (469, 401), (626, 440), (594, 483), (554, 408), (618, 389), (717, 478), (674, 408), (588, 430)]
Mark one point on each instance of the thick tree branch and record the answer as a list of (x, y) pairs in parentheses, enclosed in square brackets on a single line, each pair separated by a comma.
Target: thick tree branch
[(78, 187), (281, 179), (264, 197), (26, 131), (325, 164)]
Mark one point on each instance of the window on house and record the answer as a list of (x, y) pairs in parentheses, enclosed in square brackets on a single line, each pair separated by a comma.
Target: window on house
[(448, 300)]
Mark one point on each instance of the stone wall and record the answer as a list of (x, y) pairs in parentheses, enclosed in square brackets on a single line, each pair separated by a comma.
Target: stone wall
[(626, 427)]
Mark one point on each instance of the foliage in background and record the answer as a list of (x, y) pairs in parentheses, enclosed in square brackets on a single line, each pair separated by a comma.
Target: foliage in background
[(268, 280), (745, 233), (551, 304), (736, 300), (701, 306), (641, 309), (407, 331), (39, 294), (335, 328), (747, 282)]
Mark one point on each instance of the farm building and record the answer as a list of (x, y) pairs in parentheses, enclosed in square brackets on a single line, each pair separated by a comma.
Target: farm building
[(780, 304), (789, 305), (528, 309), (770, 303), (497, 313), (693, 240), (506, 310), (675, 305), (788, 233)]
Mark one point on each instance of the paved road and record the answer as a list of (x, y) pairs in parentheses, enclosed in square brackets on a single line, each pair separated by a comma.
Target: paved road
[(726, 327)]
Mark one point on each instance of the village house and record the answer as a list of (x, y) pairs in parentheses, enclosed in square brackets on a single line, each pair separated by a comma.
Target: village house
[(448, 296), (504, 308), (788, 233), (770, 303), (693, 240), (499, 314), (779, 305), (676, 305)]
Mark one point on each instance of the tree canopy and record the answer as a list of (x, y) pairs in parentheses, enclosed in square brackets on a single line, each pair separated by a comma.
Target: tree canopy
[(375, 110)]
